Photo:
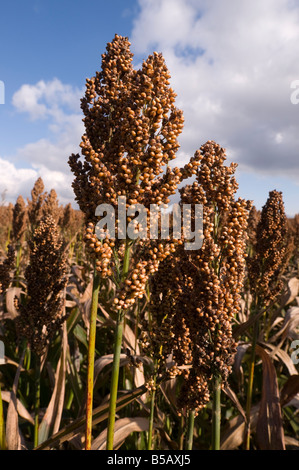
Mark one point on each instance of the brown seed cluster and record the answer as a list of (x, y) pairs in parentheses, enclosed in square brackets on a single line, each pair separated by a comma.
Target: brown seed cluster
[(71, 221), (51, 206), (272, 250), (253, 220), (19, 222), (5, 269), (196, 293), (131, 132), (36, 203), (293, 227), (145, 261), (6, 215), (43, 313)]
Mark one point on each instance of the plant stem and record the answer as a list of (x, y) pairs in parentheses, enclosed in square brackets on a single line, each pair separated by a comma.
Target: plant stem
[(151, 418), (191, 417), (216, 412), (116, 357), (181, 432), (37, 399), (250, 386), (91, 353), (115, 376)]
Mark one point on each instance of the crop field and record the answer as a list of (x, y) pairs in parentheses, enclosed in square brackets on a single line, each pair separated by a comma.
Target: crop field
[(119, 333)]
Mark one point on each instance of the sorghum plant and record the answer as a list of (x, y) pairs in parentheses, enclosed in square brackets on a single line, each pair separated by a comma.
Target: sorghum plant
[(51, 206), (43, 312), (19, 228), (269, 258), (131, 130), (35, 204), (196, 293), (19, 222), (6, 214), (272, 250), (6, 268), (253, 220)]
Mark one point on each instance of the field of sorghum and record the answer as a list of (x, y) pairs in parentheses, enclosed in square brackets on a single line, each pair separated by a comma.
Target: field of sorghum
[(139, 343)]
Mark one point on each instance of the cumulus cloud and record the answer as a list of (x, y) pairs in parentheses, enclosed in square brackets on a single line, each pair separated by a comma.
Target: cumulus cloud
[(232, 65), (57, 106), (46, 99)]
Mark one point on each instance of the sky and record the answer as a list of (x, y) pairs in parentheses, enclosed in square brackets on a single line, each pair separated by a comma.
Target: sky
[(233, 64)]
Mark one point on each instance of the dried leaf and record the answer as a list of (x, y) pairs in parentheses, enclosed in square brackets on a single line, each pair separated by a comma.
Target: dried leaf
[(289, 390), (99, 414), (269, 431), (292, 323), (11, 294), (283, 356), (291, 442), (292, 291), (87, 294), (233, 435), (129, 340), (13, 436), (77, 271), (52, 417), (106, 360), (231, 394), (168, 389), (243, 327), (6, 396), (237, 366), (122, 429)]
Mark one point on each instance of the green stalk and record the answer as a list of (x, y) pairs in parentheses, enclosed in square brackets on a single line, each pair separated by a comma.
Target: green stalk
[(116, 357), (250, 386), (216, 412), (190, 433), (91, 354), (37, 399), (151, 418), (181, 432)]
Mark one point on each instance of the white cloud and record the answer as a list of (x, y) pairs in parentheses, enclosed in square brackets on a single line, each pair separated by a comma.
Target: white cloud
[(232, 65), (15, 181), (57, 106), (46, 99)]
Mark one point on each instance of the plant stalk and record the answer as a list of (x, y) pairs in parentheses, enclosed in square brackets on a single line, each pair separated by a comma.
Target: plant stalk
[(116, 357), (190, 433), (151, 418), (182, 431), (250, 387), (91, 354), (37, 399), (216, 412)]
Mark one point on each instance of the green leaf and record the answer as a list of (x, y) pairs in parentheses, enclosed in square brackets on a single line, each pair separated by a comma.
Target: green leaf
[(80, 334)]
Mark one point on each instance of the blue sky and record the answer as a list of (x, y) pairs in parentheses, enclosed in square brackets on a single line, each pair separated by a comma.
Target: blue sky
[(232, 64)]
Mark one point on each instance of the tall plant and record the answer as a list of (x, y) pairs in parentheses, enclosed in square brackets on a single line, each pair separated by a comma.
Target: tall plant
[(131, 130)]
